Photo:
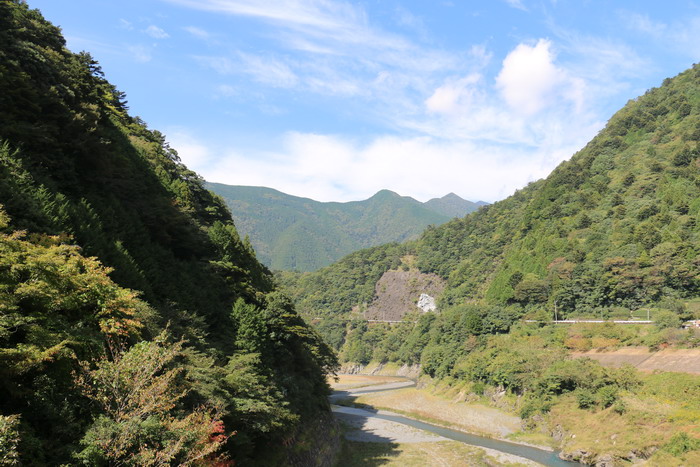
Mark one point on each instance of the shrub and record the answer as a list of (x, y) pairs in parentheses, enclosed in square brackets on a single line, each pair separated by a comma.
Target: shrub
[(681, 443), (619, 407), (9, 439), (667, 319), (535, 405), (585, 399), (607, 395), (578, 343), (478, 388)]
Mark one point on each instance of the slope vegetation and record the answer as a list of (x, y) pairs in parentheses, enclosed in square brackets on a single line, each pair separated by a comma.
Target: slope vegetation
[(136, 327)]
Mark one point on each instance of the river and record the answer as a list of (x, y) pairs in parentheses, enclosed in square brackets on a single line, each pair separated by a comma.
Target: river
[(541, 456)]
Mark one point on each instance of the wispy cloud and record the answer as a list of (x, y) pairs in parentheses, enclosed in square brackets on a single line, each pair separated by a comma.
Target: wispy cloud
[(265, 70), (156, 32), (680, 36), (140, 53), (516, 4), (197, 32), (124, 24)]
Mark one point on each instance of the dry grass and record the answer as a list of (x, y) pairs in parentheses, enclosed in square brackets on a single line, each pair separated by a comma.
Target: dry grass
[(359, 381), (645, 425), (443, 453), (474, 418)]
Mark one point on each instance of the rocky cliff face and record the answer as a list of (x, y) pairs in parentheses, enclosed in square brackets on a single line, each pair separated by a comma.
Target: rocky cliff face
[(400, 292)]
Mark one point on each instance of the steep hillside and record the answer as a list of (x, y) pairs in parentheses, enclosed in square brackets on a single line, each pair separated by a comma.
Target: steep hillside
[(136, 327), (292, 233), (612, 229), (617, 225)]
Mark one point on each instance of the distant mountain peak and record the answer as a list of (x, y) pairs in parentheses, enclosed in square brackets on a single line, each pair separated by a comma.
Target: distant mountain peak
[(453, 205), (386, 194)]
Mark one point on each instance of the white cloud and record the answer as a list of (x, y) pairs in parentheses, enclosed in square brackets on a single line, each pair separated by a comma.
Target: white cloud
[(197, 32), (140, 53), (156, 32), (333, 168), (453, 95), (529, 80), (516, 4), (193, 154), (455, 127)]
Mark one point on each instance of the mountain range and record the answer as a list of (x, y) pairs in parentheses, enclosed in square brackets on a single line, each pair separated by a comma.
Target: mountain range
[(294, 233)]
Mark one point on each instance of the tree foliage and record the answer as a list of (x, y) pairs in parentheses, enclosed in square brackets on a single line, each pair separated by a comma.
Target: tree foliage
[(107, 239)]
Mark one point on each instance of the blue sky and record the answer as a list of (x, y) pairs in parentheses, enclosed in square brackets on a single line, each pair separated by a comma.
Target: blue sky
[(335, 100)]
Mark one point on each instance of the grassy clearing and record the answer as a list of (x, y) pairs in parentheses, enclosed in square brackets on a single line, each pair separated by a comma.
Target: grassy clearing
[(442, 453)]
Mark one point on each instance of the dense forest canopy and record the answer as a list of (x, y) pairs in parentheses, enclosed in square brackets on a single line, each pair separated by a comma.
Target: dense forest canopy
[(136, 326)]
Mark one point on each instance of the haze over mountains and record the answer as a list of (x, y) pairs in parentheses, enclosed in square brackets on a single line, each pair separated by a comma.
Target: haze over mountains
[(294, 233)]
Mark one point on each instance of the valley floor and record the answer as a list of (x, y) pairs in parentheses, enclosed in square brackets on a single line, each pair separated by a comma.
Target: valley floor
[(373, 441)]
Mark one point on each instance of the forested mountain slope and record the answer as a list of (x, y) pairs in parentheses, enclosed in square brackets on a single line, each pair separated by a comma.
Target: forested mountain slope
[(293, 233), (136, 327), (612, 230), (615, 226)]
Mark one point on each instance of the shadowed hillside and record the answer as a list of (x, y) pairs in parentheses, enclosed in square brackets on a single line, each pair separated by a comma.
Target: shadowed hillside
[(136, 327)]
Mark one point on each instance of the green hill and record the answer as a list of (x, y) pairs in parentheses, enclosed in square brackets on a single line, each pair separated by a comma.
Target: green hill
[(612, 233), (136, 327), (292, 233), (615, 226)]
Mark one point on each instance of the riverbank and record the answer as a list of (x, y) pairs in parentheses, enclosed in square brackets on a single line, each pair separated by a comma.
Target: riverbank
[(645, 427), (409, 445)]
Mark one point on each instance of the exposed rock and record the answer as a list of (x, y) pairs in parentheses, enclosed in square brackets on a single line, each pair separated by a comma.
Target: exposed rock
[(396, 293), (558, 433), (605, 460), (636, 455), (579, 455), (426, 303)]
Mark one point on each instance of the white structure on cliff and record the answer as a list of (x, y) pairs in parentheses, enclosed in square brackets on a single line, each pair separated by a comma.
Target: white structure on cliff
[(426, 303)]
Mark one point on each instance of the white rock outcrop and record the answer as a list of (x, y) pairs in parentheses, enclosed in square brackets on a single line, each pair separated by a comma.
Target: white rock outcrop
[(426, 303)]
